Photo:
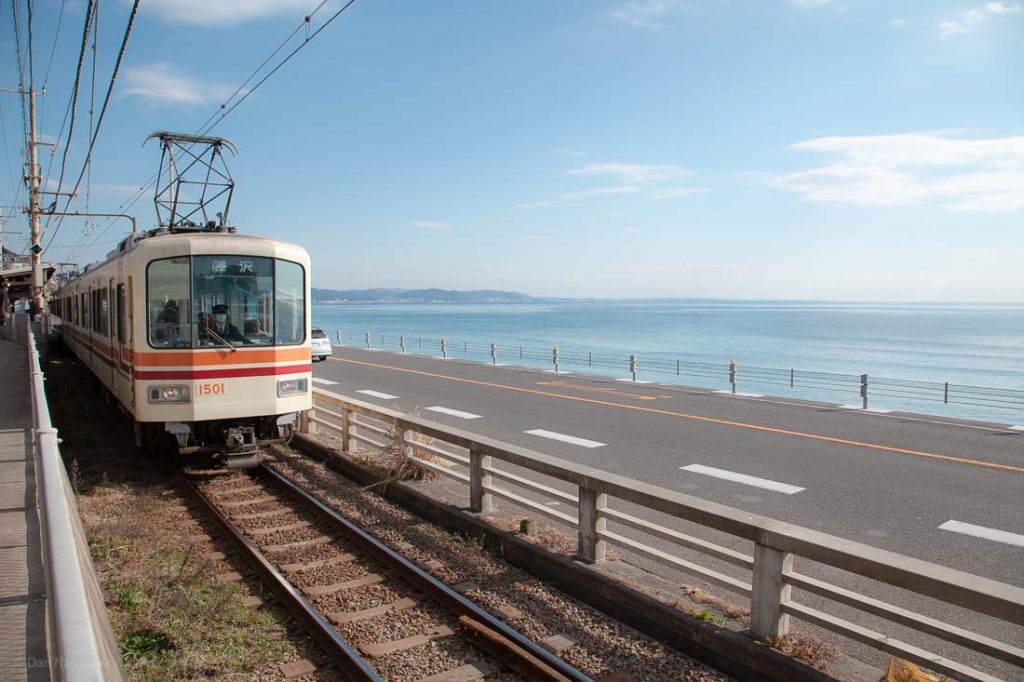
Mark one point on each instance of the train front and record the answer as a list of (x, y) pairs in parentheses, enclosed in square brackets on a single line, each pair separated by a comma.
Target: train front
[(225, 367)]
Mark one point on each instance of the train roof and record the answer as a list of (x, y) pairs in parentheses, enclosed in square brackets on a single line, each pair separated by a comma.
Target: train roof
[(165, 236)]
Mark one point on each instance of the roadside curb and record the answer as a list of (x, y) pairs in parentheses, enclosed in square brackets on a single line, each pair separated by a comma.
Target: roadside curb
[(733, 653)]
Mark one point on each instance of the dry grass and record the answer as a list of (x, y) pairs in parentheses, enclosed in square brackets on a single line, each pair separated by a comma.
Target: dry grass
[(172, 619), (811, 651)]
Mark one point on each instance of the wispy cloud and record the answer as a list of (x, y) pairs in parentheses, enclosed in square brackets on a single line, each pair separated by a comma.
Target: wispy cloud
[(916, 168), (646, 181), (645, 13), (568, 152), (225, 12), (815, 4), (974, 18), (898, 22), (632, 173), (163, 83), (432, 225)]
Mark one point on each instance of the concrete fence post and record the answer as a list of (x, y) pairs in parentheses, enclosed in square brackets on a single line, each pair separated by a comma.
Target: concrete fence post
[(632, 366), (345, 439), (769, 593), (554, 357), (401, 341), (367, 338), (480, 500), (592, 548), (864, 390), (732, 374), (494, 353), (444, 348), (310, 424)]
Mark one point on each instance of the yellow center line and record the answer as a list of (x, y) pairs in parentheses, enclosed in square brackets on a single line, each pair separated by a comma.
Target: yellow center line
[(697, 417), (595, 389)]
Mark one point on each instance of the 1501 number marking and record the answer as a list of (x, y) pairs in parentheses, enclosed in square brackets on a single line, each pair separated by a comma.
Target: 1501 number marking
[(211, 389)]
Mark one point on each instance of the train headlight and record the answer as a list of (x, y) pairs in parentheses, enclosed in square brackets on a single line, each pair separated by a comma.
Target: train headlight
[(292, 387), (168, 394)]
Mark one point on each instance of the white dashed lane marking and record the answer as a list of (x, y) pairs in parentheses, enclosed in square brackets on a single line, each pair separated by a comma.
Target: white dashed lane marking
[(377, 394), (454, 413), (574, 440), (325, 382), (743, 478), (1003, 536)]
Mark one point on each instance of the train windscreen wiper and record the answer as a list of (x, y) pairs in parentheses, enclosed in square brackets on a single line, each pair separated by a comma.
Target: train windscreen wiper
[(221, 339)]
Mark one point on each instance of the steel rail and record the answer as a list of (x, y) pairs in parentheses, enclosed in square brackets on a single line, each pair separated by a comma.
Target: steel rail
[(540, 664), (348, 660)]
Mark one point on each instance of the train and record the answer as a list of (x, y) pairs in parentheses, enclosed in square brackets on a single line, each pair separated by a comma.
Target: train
[(201, 335)]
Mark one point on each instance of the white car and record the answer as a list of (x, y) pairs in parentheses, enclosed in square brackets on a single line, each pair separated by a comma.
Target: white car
[(321, 345)]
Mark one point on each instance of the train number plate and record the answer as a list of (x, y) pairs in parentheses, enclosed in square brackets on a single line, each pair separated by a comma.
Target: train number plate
[(211, 389)]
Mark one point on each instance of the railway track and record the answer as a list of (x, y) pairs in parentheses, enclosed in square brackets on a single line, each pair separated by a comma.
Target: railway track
[(339, 581)]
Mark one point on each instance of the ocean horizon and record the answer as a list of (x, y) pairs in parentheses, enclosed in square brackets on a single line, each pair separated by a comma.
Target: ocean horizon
[(965, 344)]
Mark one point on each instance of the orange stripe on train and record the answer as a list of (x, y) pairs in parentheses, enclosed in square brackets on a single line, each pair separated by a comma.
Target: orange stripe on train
[(220, 356)]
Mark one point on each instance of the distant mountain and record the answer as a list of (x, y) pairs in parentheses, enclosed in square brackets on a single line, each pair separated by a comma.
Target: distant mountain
[(418, 296)]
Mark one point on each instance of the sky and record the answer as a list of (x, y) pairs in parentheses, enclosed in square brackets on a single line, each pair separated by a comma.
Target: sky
[(801, 149)]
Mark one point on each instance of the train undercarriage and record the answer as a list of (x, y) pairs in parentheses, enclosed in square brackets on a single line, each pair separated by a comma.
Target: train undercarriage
[(235, 442)]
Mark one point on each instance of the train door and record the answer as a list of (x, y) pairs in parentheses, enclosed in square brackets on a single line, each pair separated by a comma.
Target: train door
[(110, 334), (130, 338)]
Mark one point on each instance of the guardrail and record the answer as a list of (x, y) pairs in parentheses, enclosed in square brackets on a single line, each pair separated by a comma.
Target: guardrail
[(731, 374), (80, 642), (775, 544)]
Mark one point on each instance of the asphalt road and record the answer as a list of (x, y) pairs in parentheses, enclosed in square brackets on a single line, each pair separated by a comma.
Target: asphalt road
[(887, 480)]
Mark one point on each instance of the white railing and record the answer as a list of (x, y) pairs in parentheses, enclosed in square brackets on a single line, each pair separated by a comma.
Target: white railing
[(80, 642), (772, 574)]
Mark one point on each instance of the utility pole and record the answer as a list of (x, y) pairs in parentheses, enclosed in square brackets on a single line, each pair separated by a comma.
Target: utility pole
[(33, 209), (32, 178)]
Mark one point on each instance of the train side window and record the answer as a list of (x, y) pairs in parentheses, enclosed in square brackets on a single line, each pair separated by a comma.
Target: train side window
[(120, 313), (104, 312), (289, 303), (168, 296)]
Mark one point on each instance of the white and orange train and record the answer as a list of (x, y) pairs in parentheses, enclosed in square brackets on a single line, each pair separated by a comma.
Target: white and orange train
[(202, 335)]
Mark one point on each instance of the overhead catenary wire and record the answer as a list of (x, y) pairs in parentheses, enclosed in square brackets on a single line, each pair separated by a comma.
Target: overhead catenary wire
[(53, 48), (103, 113), (224, 110), (73, 105)]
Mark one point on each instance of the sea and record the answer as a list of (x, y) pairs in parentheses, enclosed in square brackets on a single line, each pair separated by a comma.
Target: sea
[(806, 350)]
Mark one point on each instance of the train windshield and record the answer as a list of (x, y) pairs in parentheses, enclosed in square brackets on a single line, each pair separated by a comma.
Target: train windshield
[(220, 301)]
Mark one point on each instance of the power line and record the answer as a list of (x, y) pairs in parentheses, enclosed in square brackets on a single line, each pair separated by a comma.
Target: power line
[(73, 105), (223, 111), (53, 49), (103, 112)]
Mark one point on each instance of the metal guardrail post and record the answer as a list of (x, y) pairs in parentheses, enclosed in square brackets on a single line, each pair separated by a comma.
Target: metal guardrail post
[(590, 358), (792, 378), (494, 353), (945, 393), (465, 347), (337, 335), (554, 357), (864, 390), (367, 338), (444, 347), (402, 342), (769, 592), (480, 500), (591, 547), (632, 366), (677, 366), (732, 374)]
